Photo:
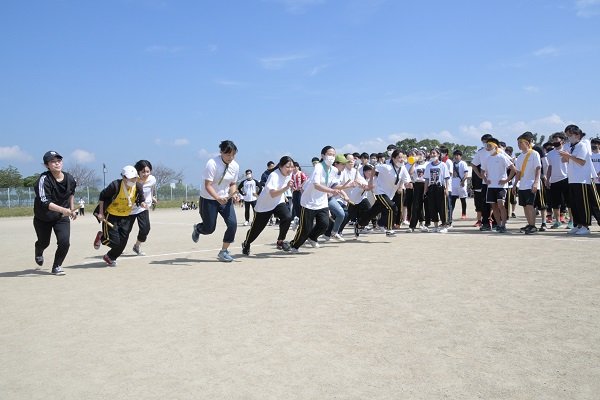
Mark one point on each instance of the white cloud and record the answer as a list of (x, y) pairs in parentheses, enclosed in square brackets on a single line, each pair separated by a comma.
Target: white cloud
[(546, 51), (531, 88), (83, 156), (317, 69), (175, 143), (225, 82), (205, 154), (14, 153), (587, 8), (280, 62)]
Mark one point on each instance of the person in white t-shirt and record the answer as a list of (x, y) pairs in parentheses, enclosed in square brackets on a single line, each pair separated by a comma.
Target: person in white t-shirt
[(595, 144), (528, 167), (437, 182), (460, 174), (417, 174), (557, 177), (139, 213), (582, 197), (216, 194), (249, 188), (314, 201), (359, 204), (390, 178), (494, 172), (81, 206), (271, 202)]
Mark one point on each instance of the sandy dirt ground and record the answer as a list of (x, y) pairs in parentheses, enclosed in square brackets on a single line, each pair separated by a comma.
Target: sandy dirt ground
[(462, 315)]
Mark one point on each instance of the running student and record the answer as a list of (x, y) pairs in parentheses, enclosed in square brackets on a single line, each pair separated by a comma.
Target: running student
[(390, 178), (359, 204), (52, 208), (114, 206), (139, 213), (272, 202), (216, 194), (314, 201)]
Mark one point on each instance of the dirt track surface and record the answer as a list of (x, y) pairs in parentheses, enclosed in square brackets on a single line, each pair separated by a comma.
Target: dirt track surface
[(461, 315)]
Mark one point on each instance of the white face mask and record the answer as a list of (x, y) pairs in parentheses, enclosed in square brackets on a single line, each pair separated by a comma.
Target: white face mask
[(130, 184), (484, 144), (398, 164), (389, 153), (433, 159), (573, 139), (492, 152), (329, 160), (249, 176)]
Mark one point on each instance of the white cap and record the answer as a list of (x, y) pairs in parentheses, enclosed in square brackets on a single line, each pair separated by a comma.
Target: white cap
[(129, 172)]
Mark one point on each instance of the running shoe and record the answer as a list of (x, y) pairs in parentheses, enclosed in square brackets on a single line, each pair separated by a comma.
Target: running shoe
[(224, 256), (98, 240), (109, 262), (313, 243), (246, 248), (57, 271), (583, 231)]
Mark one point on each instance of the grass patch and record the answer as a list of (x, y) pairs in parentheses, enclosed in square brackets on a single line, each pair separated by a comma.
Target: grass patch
[(16, 212)]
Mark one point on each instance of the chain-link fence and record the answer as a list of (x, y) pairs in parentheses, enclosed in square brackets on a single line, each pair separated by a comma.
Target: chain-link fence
[(24, 196)]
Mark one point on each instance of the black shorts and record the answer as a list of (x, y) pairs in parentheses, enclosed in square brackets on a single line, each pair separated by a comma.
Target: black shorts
[(559, 194), (527, 197), (542, 198), (495, 195)]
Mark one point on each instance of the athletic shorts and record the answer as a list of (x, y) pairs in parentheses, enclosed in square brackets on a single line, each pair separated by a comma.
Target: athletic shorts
[(542, 198), (527, 197), (559, 193), (495, 195)]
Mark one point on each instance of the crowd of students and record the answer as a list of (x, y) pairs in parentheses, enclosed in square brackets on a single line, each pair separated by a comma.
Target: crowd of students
[(371, 192)]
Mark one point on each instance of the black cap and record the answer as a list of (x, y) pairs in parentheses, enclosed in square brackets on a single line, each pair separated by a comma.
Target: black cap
[(50, 155)]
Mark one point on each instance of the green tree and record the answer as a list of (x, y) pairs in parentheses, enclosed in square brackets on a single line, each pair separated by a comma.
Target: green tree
[(29, 181), (10, 177)]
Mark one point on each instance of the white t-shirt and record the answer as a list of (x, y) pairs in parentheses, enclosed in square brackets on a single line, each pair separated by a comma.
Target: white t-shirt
[(528, 178), (389, 179), (595, 158), (357, 193), (437, 173), (450, 167), (276, 181), (147, 185), (559, 168), (418, 174), (215, 172), (250, 190), (458, 172), (496, 169), (580, 173), (312, 198), (81, 203)]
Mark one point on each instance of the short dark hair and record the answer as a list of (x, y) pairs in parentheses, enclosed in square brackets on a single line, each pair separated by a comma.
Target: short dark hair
[(528, 136), (574, 130), (486, 137), (270, 163), (595, 141), (248, 170), (227, 147), (142, 164), (457, 153)]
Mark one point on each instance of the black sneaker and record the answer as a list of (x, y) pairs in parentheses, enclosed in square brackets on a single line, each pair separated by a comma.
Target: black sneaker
[(485, 228), (39, 260), (524, 229), (195, 235), (285, 246), (245, 248), (532, 230), (543, 228), (57, 271), (356, 230)]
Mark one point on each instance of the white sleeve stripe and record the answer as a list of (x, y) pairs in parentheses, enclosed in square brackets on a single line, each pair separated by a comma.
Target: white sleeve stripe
[(42, 190)]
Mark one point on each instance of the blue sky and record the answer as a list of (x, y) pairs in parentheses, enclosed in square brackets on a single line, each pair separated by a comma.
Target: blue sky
[(116, 81)]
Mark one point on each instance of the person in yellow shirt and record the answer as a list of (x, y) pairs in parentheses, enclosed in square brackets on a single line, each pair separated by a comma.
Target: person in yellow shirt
[(114, 206)]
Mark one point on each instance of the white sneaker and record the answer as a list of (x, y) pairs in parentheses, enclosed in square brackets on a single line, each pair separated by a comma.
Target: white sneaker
[(295, 223), (246, 223), (379, 229), (583, 231), (390, 233), (433, 230), (313, 243), (424, 228), (326, 238), (574, 230), (338, 237), (442, 230), (409, 230), (405, 222)]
